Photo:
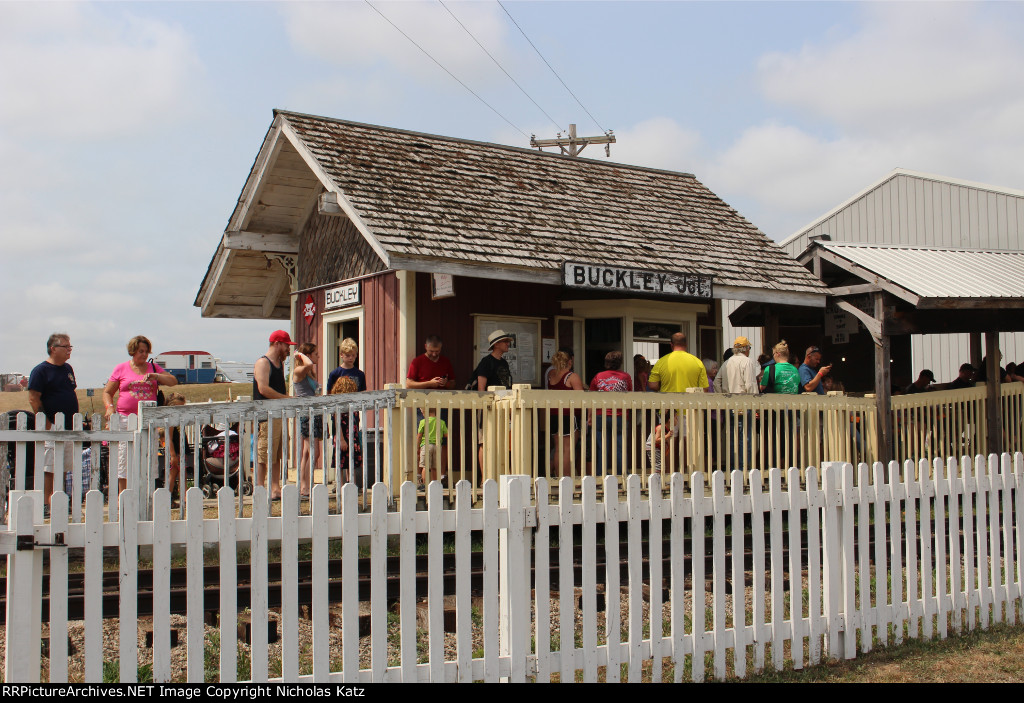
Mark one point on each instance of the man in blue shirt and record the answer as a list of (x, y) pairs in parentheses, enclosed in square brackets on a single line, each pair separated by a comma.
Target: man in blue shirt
[(51, 390), (811, 380)]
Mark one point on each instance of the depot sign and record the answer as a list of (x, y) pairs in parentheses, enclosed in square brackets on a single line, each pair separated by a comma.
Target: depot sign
[(644, 281), (342, 296)]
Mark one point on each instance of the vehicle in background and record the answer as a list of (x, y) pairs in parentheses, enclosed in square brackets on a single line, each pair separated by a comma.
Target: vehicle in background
[(235, 371), (189, 366)]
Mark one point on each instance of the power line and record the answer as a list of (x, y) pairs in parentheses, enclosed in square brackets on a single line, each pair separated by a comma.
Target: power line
[(551, 67), (496, 63), (493, 109)]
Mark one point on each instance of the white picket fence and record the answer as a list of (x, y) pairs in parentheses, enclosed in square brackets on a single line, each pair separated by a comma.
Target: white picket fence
[(904, 552)]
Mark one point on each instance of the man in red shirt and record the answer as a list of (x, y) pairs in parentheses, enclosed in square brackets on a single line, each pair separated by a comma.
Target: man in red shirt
[(430, 370)]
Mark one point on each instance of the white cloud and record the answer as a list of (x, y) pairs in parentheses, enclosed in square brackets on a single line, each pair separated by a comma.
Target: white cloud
[(910, 64), (659, 142), (73, 71), (347, 33), (940, 91)]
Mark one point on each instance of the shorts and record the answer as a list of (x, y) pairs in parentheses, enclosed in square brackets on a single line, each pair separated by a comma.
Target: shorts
[(435, 453), (318, 427), (262, 444), (69, 479), (654, 458), (568, 426), (49, 450)]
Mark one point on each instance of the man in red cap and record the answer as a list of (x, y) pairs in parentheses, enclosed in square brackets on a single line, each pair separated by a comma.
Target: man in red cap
[(268, 383)]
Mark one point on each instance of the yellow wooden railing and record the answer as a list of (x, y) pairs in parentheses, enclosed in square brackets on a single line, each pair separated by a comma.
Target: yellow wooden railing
[(939, 424), (558, 433), (1013, 417), (551, 434), (555, 433)]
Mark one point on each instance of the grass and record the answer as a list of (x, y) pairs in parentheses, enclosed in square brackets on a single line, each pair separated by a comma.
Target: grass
[(996, 655), (112, 672)]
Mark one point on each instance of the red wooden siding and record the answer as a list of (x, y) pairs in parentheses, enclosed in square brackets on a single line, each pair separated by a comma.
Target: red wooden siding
[(304, 331), (380, 330), (451, 318)]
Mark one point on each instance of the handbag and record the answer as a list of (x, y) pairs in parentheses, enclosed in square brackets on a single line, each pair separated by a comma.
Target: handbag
[(159, 393)]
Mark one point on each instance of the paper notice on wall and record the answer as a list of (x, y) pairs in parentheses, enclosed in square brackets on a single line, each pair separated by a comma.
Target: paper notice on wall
[(526, 363), (839, 321), (525, 344), (548, 350), (485, 331)]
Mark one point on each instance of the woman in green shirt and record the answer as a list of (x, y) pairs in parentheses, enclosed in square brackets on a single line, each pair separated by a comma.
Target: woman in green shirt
[(782, 376)]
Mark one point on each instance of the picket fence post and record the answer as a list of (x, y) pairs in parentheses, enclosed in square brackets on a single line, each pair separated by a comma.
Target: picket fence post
[(146, 451), (24, 584), (514, 576), (832, 564)]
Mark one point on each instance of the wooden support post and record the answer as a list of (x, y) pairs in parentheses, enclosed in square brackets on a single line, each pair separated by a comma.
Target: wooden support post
[(993, 389), (883, 386), (976, 350)]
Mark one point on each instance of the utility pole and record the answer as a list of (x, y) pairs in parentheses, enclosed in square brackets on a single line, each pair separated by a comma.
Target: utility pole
[(573, 145)]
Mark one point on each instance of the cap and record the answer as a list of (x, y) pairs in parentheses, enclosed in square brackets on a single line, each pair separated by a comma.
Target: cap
[(928, 374), (967, 367), (741, 342), (496, 336), (281, 336)]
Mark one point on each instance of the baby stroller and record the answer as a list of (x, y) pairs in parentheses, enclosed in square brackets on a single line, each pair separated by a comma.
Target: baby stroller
[(218, 455)]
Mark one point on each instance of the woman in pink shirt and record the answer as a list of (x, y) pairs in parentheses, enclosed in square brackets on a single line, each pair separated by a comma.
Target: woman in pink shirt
[(133, 381), (608, 432)]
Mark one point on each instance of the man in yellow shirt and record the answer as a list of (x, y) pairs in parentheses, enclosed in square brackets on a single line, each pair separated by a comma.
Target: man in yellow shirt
[(674, 373), (679, 370)]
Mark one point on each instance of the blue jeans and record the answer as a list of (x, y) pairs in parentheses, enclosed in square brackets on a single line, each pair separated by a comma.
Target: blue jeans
[(741, 454), (610, 425)]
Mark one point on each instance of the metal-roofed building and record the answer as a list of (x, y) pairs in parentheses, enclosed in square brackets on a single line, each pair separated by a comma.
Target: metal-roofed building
[(386, 235), (920, 214)]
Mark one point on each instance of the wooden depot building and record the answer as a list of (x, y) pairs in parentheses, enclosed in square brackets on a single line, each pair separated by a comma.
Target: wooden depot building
[(388, 236)]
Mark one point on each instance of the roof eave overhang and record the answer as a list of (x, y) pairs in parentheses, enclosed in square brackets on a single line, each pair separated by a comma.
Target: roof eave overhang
[(817, 251), (235, 237), (553, 277), (970, 303)]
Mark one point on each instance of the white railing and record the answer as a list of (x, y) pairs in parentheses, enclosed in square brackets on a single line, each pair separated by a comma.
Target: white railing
[(236, 427), (949, 536), (91, 451)]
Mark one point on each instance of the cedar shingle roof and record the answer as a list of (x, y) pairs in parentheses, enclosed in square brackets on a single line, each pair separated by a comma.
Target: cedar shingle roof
[(440, 197)]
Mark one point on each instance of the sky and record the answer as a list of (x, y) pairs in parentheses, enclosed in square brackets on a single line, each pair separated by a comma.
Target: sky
[(127, 130)]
